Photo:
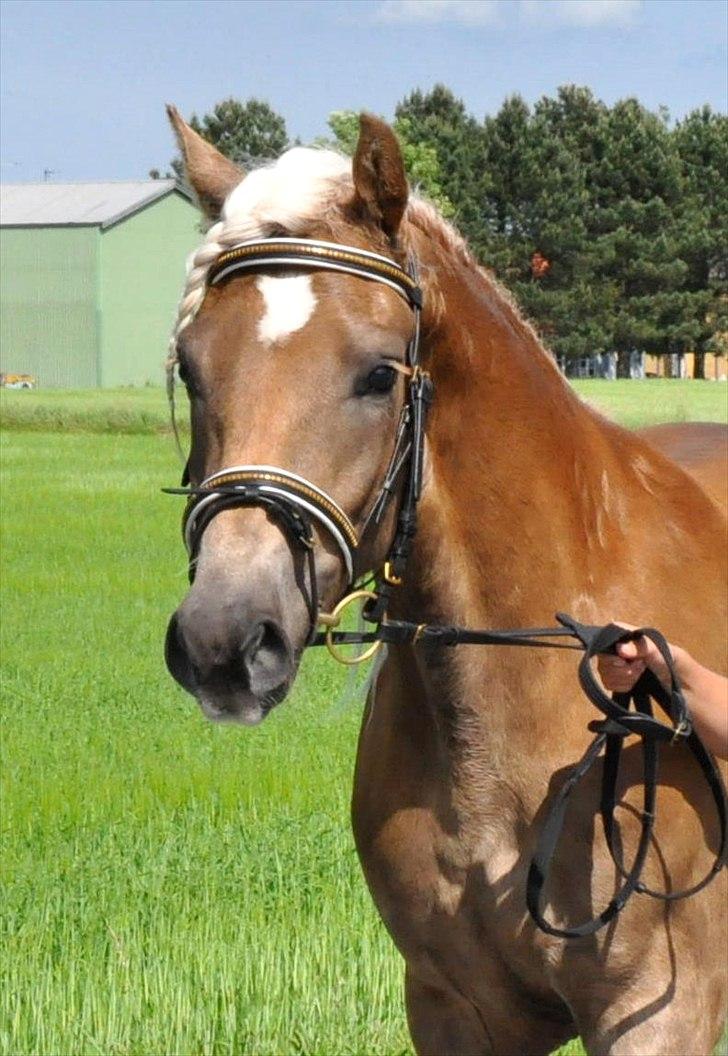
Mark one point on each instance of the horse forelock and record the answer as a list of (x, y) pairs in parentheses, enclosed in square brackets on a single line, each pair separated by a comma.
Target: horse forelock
[(284, 197), (290, 194)]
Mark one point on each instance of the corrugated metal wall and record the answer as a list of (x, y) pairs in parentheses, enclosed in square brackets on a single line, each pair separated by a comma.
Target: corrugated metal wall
[(48, 279), (142, 276)]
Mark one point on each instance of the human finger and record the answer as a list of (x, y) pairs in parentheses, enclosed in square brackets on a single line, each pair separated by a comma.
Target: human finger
[(629, 651), (617, 674)]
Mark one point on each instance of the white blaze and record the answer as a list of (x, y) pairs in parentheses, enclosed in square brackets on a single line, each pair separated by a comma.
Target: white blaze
[(289, 303)]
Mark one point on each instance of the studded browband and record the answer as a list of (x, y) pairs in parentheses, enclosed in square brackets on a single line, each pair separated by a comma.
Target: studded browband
[(311, 253)]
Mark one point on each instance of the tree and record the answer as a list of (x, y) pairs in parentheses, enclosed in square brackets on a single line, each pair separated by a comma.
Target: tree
[(633, 198), (568, 134), (610, 228), (448, 139), (345, 126), (701, 140), (537, 203), (247, 133)]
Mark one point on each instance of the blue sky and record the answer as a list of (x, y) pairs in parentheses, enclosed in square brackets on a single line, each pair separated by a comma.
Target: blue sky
[(83, 84)]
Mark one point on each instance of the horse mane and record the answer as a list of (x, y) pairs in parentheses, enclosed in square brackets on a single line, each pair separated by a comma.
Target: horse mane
[(308, 185), (425, 218)]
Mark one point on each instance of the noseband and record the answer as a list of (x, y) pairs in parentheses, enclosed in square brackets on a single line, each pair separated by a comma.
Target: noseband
[(294, 502)]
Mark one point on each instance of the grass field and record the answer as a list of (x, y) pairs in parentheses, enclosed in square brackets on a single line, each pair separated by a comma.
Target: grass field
[(171, 886), (140, 411)]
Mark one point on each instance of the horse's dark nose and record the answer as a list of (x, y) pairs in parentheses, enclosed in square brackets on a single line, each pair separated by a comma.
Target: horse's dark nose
[(237, 668), (263, 657)]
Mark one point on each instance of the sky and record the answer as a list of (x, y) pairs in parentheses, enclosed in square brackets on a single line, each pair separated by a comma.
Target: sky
[(83, 82)]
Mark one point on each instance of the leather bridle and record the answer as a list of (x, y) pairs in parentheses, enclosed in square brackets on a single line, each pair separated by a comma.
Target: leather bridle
[(297, 504)]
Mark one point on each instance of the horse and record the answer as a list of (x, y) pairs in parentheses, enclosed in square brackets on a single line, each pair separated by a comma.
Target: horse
[(531, 500)]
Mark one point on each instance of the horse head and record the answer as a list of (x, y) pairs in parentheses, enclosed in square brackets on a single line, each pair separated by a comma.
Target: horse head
[(295, 373)]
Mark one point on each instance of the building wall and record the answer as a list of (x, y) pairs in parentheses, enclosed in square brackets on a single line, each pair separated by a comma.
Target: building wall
[(142, 275), (716, 366), (49, 323)]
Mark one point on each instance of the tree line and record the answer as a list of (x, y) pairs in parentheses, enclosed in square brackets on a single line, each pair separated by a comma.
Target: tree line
[(608, 223)]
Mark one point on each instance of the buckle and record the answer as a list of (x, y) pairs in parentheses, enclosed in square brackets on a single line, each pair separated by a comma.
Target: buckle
[(683, 729), (389, 576)]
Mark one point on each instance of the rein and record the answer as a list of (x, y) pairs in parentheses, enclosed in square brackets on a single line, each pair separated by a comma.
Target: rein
[(295, 503)]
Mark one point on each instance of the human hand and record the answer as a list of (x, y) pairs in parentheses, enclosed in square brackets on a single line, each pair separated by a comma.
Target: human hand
[(620, 672), (705, 690)]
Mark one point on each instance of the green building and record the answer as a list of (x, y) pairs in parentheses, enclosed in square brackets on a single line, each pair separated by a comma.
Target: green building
[(90, 276)]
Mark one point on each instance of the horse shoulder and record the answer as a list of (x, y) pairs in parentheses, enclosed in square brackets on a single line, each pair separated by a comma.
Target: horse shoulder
[(700, 448)]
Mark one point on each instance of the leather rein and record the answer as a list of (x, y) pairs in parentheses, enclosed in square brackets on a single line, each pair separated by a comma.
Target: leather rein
[(296, 504)]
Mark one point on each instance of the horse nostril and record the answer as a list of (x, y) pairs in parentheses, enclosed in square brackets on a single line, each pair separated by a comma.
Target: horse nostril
[(266, 657), (177, 656)]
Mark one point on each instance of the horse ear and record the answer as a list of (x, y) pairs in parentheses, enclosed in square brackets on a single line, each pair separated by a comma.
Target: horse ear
[(379, 177), (211, 175)]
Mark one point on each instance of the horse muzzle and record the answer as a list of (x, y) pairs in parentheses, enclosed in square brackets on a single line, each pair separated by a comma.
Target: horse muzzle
[(235, 678), (236, 640)]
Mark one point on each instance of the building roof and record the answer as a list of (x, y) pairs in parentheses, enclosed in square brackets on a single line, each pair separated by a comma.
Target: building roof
[(78, 204)]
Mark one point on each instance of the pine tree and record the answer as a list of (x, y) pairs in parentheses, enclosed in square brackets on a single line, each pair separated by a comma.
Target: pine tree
[(633, 194), (437, 121), (701, 141), (538, 200)]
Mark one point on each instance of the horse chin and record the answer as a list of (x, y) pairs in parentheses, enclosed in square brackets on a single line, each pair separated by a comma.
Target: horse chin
[(238, 706)]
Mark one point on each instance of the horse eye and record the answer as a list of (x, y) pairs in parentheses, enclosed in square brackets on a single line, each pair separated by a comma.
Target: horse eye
[(186, 376), (380, 380)]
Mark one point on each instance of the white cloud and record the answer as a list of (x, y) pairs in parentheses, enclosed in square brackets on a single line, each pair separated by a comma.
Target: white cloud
[(582, 12), (486, 12), (465, 12)]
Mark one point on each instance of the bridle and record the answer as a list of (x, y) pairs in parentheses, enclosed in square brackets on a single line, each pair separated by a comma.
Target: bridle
[(296, 504)]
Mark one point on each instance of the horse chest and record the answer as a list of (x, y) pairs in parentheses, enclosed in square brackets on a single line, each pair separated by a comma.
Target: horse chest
[(431, 848), (430, 881)]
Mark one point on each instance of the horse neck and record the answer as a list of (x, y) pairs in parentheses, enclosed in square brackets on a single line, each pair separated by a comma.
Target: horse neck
[(502, 541), (505, 438)]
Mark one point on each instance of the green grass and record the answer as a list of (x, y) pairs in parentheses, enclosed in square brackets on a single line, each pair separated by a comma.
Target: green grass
[(638, 403), (140, 411), (169, 886), (145, 411)]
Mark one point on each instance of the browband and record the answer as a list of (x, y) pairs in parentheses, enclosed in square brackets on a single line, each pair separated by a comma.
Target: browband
[(302, 253)]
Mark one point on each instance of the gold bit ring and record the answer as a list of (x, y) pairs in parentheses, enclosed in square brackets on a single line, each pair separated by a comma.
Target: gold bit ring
[(333, 619)]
